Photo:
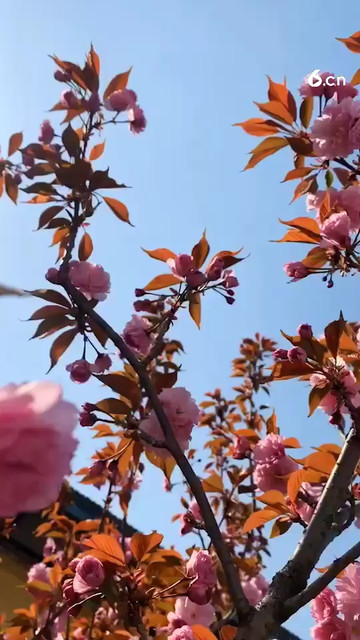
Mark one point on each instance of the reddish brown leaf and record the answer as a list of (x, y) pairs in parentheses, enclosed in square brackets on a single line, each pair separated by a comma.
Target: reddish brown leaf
[(353, 42), (195, 308), (284, 370), (356, 78), (51, 325), (97, 151), (161, 282), (11, 187), (213, 484), (119, 209), (308, 185), (15, 143), (47, 311), (118, 83), (266, 148), (276, 110), (161, 254), (316, 258), (333, 333), (85, 247), (280, 93), (301, 145), (60, 234), (293, 174), (71, 141), (51, 296), (316, 395), (60, 344), (258, 127), (48, 215), (123, 385), (113, 406), (306, 109)]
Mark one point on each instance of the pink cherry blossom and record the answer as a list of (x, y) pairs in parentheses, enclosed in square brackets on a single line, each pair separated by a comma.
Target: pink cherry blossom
[(121, 100), (80, 371), (195, 279), (333, 401), (335, 231), (91, 279), (137, 119), (241, 448), (297, 355), (101, 364), (305, 331), (182, 412), (70, 100), (272, 465), (296, 271), (89, 575), (255, 589), (280, 354), (36, 445), (323, 89), (324, 605), (215, 269), (337, 132), (183, 633), (230, 280), (137, 335), (347, 199), (181, 265), (346, 90), (38, 572), (46, 132), (347, 591), (332, 628), (201, 568), (186, 525), (304, 509), (193, 613)]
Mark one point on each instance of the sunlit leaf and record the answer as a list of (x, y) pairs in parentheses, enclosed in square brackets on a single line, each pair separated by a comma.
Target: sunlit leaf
[(110, 549), (161, 282), (259, 518), (15, 143), (195, 308), (118, 83), (85, 247), (97, 151), (141, 544), (119, 209)]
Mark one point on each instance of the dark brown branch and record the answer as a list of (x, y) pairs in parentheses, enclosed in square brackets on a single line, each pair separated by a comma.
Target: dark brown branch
[(299, 601), (240, 602)]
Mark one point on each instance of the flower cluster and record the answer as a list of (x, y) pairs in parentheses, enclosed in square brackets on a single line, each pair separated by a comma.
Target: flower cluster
[(329, 605)]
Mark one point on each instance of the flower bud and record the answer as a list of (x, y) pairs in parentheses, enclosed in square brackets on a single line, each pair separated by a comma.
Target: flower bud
[(305, 331), (79, 370), (297, 355), (139, 293), (195, 279), (280, 354), (87, 419), (62, 76), (52, 275), (46, 132), (93, 104)]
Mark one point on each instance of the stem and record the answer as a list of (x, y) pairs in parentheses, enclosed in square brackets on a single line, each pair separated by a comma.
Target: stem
[(106, 506), (230, 571)]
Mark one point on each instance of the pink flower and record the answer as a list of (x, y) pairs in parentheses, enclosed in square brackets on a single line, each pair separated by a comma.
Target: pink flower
[(91, 279), (101, 364), (46, 132), (335, 231), (49, 548), (70, 100), (305, 331), (183, 633), (346, 90), (182, 265), (323, 89), (80, 371), (280, 354), (193, 613), (333, 400), (347, 591), (337, 132), (296, 271), (89, 575), (345, 199), (167, 486), (304, 509), (36, 445), (196, 279), (38, 572), (201, 568), (331, 629), (272, 464), (137, 119), (182, 412), (215, 269), (297, 355), (241, 448), (230, 280), (255, 589), (121, 100), (324, 605), (137, 335), (195, 512)]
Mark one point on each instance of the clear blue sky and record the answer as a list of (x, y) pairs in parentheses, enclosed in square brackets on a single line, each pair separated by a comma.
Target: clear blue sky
[(197, 68)]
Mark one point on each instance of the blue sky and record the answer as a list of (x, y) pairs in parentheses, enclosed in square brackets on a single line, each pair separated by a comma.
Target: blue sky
[(197, 68)]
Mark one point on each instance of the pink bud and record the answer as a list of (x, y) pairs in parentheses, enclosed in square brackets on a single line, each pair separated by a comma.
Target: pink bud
[(305, 331), (89, 575), (230, 280), (79, 371), (52, 275), (69, 100), (229, 299), (280, 354), (93, 104), (87, 419), (296, 270), (62, 76), (139, 292), (195, 279), (137, 120), (46, 132), (296, 355), (121, 100)]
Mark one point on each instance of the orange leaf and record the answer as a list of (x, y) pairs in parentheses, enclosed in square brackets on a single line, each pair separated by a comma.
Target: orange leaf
[(294, 483), (304, 224), (200, 252), (293, 174), (316, 396), (195, 308), (119, 209), (213, 484), (271, 424), (166, 465), (277, 110), (308, 185), (228, 633), (108, 546), (162, 281), (160, 254), (97, 151), (259, 518), (118, 83), (284, 370), (280, 526), (292, 443), (266, 148), (141, 544), (320, 461), (333, 333), (258, 127), (306, 109), (316, 258), (353, 42), (272, 498), (85, 247), (202, 633), (280, 93), (15, 142), (113, 406), (356, 78)]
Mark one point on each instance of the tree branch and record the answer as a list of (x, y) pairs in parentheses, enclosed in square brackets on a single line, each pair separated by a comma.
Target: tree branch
[(240, 602), (299, 601)]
